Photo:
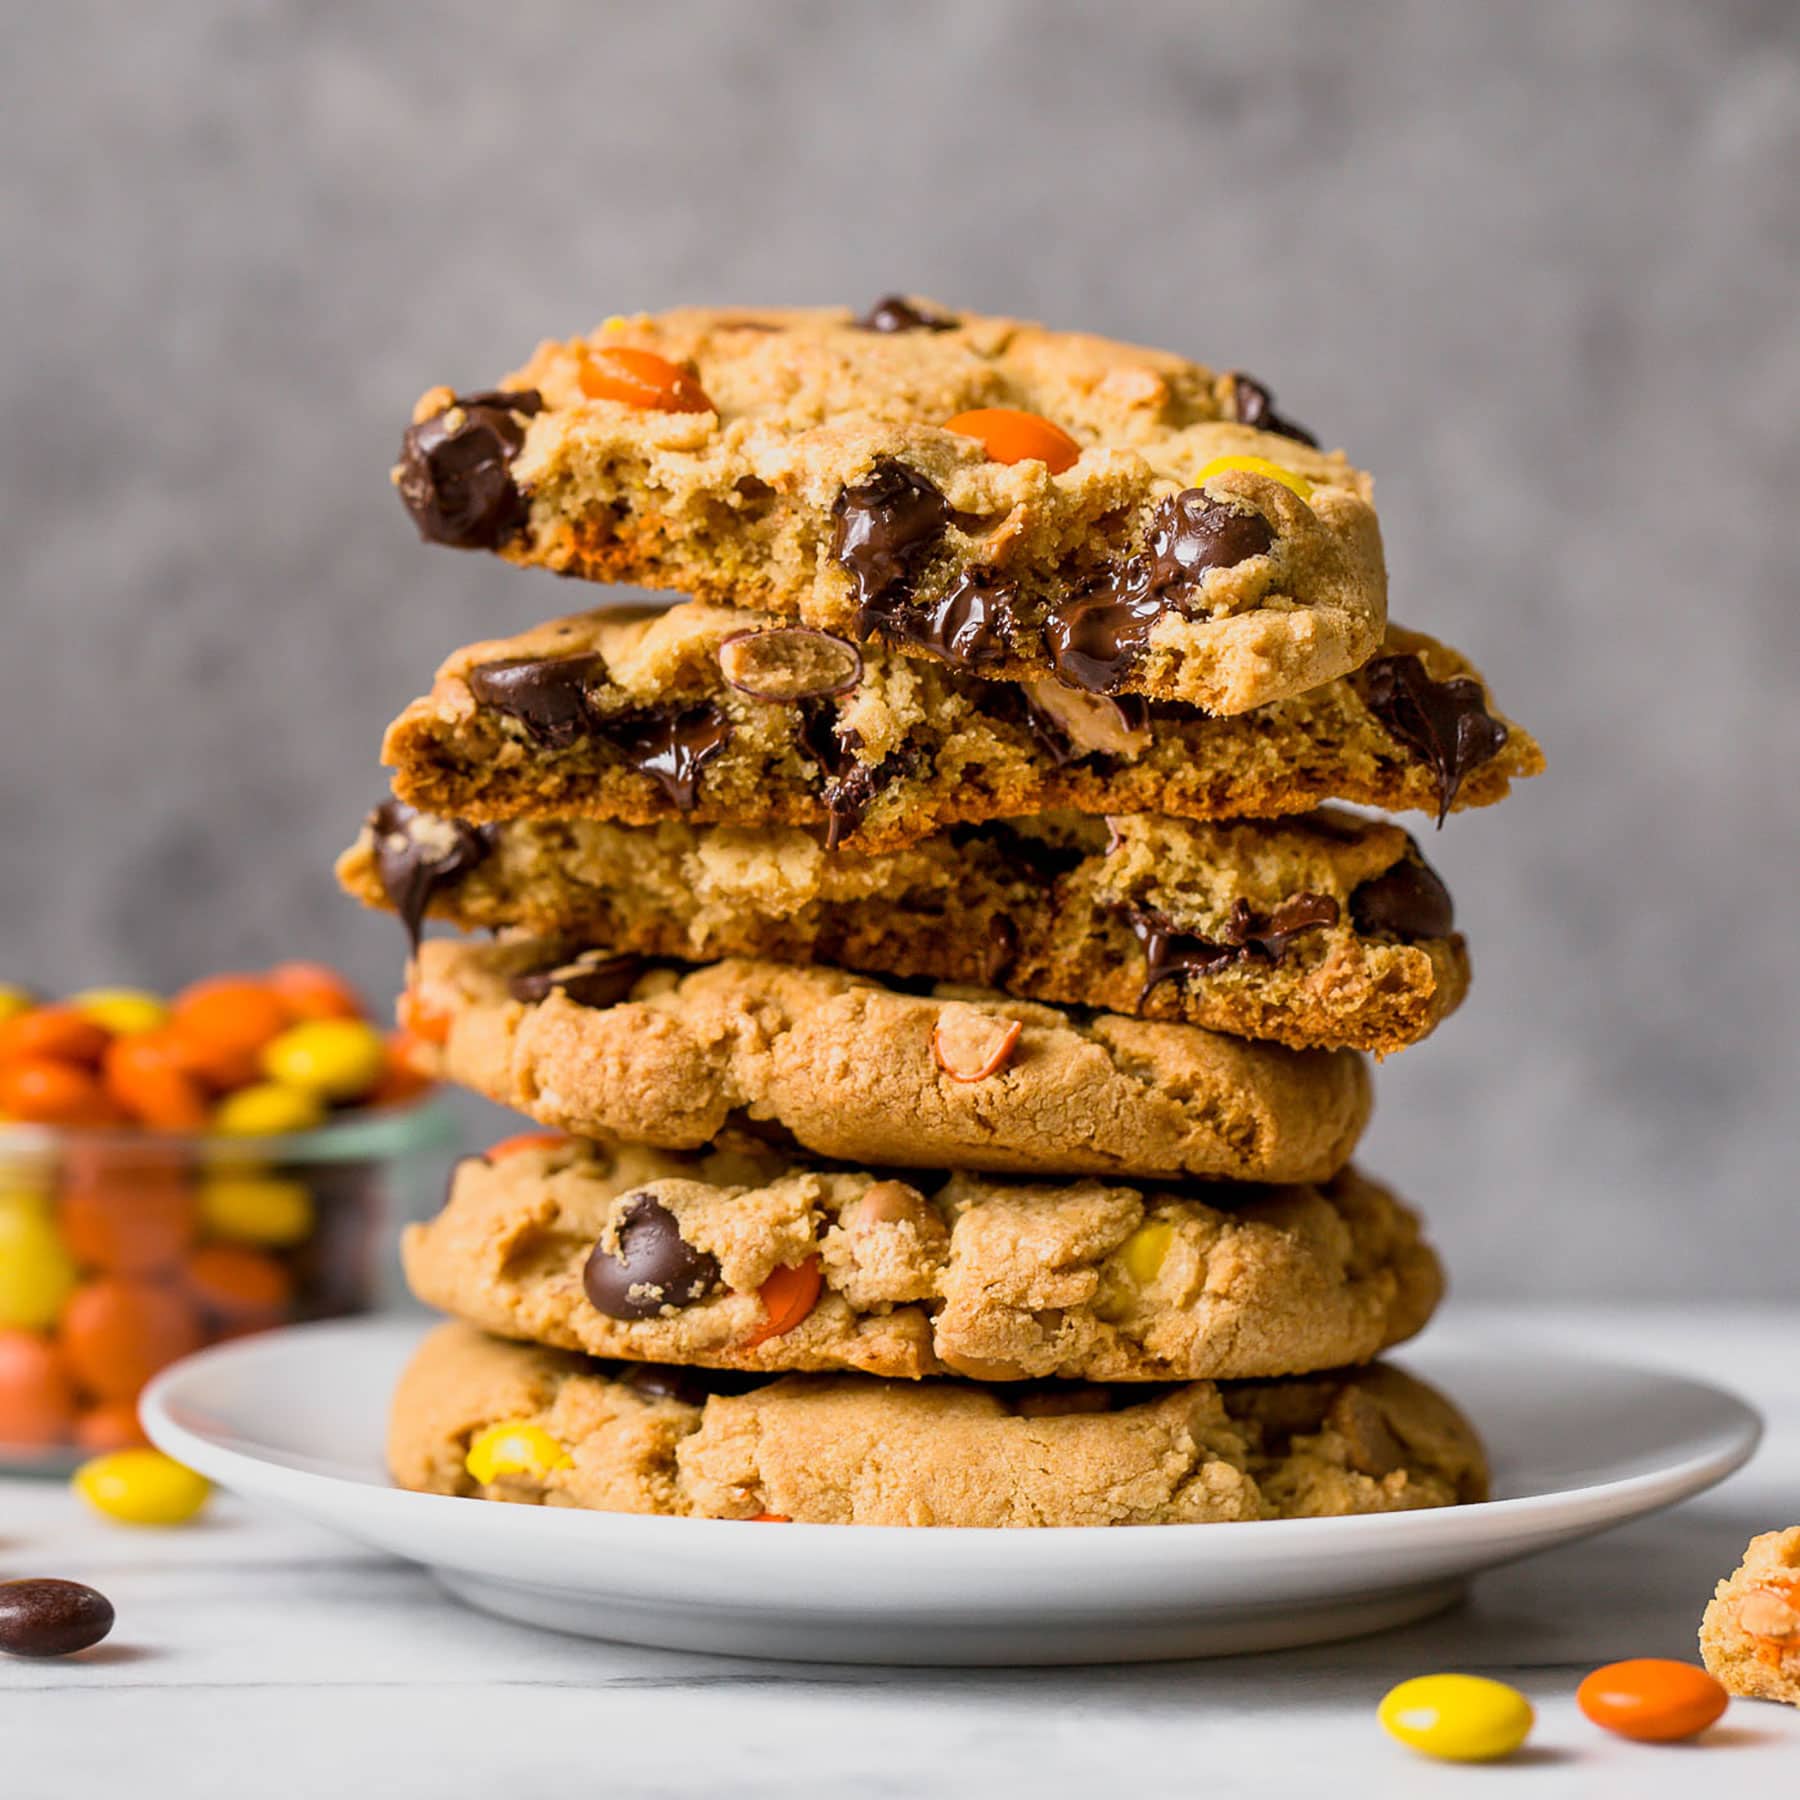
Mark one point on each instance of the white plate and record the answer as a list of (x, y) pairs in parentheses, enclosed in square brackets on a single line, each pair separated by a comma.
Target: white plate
[(297, 1417)]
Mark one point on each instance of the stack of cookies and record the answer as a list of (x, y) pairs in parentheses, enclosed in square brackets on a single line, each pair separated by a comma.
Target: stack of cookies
[(945, 987)]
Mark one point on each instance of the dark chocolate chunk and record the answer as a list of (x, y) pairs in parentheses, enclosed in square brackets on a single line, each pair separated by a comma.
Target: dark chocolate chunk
[(1095, 638), (1190, 533), (655, 1267), (834, 752), (1444, 723), (971, 626), (1408, 902), (672, 746), (1256, 406), (417, 854), (886, 526), (456, 470), (592, 979), (46, 1617), (895, 312), (847, 799), (548, 695), (1248, 937)]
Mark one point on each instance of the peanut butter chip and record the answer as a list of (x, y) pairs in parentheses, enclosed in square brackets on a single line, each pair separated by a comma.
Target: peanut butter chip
[(1766, 1614), (791, 662), (893, 1203), (970, 1045), (1360, 1422), (1091, 721)]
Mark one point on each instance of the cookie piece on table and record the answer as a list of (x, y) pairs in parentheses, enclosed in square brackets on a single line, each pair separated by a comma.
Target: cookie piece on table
[(717, 716), (846, 1067), (544, 1427), (1323, 931), (1005, 499), (1750, 1636), (766, 1261)]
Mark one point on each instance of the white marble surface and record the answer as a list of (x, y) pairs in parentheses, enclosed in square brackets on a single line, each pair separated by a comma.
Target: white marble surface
[(255, 1657)]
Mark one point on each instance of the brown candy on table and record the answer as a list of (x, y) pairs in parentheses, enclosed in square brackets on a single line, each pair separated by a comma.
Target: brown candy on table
[(1255, 406), (1444, 723), (1408, 902), (48, 1617), (548, 695), (455, 470), (894, 312), (593, 979), (416, 854), (655, 1267)]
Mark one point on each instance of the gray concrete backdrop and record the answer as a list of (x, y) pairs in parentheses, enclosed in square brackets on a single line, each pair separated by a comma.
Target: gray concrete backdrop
[(1533, 263)]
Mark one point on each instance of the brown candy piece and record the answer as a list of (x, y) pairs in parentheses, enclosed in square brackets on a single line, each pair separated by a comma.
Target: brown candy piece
[(790, 662), (894, 1203), (1444, 723), (654, 1268), (970, 1045), (1091, 722), (455, 470), (592, 979), (1408, 902), (48, 1617)]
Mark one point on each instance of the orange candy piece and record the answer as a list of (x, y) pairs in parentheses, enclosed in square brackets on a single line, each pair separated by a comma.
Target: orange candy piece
[(310, 990), (126, 1221), (118, 1331), (37, 1404), (222, 1024), (523, 1140), (1010, 436), (43, 1090), (417, 1020), (152, 1076), (770, 1519), (787, 1297), (112, 1425), (54, 1031), (642, 379), (1652, 1699), (238, 1285)]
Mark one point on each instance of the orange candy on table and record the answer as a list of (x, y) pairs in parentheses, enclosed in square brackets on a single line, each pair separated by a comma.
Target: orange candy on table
[(152, 1076), (642, 379), (118, 1331), (310, 990), (56, 1031), (126, 1220), (1652, 1699), (224, 1021), (37, 1400), (43, 1090), (238, 1285), (1010, 436)]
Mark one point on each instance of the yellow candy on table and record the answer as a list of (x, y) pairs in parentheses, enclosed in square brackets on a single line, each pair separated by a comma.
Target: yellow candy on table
[(125, 1012), (515, 1447), (257, 1209), (36, 1273), (1142, 1253), (342, 1059), (1457, 1718), (269, 1109), (1256, 465), (15, 1000), (142, 1487)]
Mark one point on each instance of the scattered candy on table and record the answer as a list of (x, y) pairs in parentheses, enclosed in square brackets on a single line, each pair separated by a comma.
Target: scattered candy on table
[(142, 1487), (1457, 1718), (1652, 1699), (46, 1617)]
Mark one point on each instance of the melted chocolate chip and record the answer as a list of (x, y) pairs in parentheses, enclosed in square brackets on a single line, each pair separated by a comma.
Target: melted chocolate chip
[(896, 313), (1256, 406), (656, 1266), (887, 525), (848, 799), (456, 470), (691, 1387), (548, 695), (1190, 533), (671, 746), (1444, 723), (972, 626), (592, 979), (43, 1616), (1095, 638), (417, 854), (1408, 902), (1248, 937)]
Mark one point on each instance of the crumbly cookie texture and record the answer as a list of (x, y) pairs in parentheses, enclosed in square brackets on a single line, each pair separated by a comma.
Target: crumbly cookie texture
[(1324, 931), (626, 1252), (629, 714), (850, 1069), (854, 1450), (1750, 1636), (811, 473)]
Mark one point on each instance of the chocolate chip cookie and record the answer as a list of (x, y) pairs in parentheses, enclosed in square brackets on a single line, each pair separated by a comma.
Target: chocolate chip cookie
[(710, 714), (1323, 931), (1011, 501), (475, 1416), (847, 1067), (764, 1261)]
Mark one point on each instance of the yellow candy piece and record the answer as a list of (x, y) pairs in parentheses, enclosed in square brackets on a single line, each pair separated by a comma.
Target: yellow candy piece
[(1256, 465), (1142, 1253), (515, 1447), (341, 1059), (36, 1273), (123, 1011), (142, 1487), (1457, 1718), (20, 1194), (257, 1209), (15, 1000), (269, 1109)]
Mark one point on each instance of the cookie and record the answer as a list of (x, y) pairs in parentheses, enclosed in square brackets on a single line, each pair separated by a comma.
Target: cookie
[(1012, 501), (706, 713), (1750, 1636), (1323, 931), (849, 1068), (763, 1261), (544, 1427)]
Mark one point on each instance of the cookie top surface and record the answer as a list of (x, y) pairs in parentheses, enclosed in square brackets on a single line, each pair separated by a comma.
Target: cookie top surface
[(850, 1068), (763, 1261), (1188, 542), (856, 1450)]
